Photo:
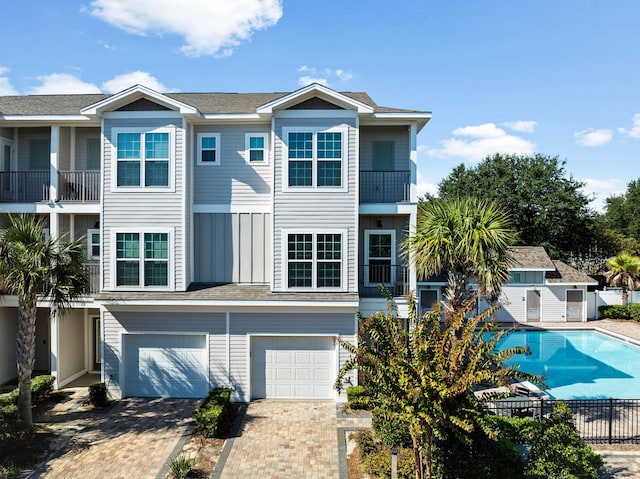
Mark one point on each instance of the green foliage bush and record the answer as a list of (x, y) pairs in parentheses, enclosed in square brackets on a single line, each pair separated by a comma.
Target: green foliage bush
[(210, 416), (392, 432), (634, 311), (378, 464), (560, 452), (614, 311), (358, 397), (98, 394), (519, 430), (41, 387), (366, 442), (181, 467)]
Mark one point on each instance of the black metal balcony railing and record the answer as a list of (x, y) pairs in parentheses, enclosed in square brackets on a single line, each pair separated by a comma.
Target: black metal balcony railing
[(94, 278), (81, 186), (394, 277), (24, 186), (385, 186)]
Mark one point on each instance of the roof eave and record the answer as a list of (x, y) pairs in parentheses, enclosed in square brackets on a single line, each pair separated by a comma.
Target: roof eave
[(310, 91)]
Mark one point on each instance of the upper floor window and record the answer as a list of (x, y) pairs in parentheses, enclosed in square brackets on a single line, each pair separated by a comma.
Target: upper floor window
[(379, 257), (208, 148), (256, 147), (93, 153), (315, 159), (143, 158), (142, 259), (314, 260), (93, 244)]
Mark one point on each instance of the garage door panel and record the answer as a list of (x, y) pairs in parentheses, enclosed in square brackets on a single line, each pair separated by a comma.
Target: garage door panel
[(166, 366), (292, 367)]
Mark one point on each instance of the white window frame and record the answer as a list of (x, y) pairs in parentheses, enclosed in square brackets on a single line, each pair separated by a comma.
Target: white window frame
[(90, 245), (367, 258), (199, 149), (115, 188), (247, 146), (582, 304), (170, 260), (314, 262), (344, 131)]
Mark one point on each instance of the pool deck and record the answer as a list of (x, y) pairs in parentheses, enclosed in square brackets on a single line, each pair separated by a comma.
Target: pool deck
[(627, 328)]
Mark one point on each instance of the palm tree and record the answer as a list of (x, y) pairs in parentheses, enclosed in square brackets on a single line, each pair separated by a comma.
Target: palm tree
[(469, 239), (37, 269), (623, 271)]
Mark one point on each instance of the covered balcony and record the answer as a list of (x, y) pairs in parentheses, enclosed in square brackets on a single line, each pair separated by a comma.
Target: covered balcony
[(385, 186), (393, 277), (34, 186), (80, 186)]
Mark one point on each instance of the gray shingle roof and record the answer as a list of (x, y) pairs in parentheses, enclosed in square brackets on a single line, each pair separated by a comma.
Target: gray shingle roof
[(531, 257), (204, 102), (566, 274)]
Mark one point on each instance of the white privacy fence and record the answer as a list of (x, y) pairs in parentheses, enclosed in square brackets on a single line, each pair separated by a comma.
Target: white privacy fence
[(596, 299)]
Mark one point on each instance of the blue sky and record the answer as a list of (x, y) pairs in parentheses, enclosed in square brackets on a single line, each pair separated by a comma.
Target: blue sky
[(556, 77)]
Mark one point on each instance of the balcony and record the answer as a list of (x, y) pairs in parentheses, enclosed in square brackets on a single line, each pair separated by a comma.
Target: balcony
[(33, 186), (94, 278), (385, 186), (394, 277), (80, 186), (24, 186)]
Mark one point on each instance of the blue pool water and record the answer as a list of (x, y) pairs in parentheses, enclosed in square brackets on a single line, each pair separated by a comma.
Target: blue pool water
[(579, 364)]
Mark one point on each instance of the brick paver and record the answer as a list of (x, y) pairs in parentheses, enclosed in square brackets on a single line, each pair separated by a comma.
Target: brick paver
[(285, 439), (132, 439)]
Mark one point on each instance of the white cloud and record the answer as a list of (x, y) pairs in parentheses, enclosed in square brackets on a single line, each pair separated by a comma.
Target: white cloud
[(424, 186), (601, 190), (6, 88), (634, 132), (523, 126), (126, 80), (207, 27), (62, 83), (593, 137), (483, 140), (313, 75)]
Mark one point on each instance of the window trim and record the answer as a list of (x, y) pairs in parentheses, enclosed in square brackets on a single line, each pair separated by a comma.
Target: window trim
[(170, 259), (367, 258), (314, 261), (247, 148), (199, 149), (343, 130), (90, 245), (115, 188)]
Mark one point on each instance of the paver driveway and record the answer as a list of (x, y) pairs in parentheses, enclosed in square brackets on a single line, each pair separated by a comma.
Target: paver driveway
[(285, 439), (134, 439)]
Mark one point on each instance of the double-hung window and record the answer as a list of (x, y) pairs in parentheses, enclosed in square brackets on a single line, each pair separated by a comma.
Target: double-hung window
[(208, 149), (256, 147), (315, 159), (143, 158), (142, 259), (314, 260), (93, 244)]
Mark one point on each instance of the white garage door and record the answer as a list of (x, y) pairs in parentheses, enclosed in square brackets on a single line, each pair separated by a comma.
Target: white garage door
[(158, 365), (292, 367)]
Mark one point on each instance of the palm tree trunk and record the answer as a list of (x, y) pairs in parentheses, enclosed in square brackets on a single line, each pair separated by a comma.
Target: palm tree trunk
[(26, 355), (625, 296)]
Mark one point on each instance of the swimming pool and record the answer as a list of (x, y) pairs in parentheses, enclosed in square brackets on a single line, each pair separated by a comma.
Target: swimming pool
[(579, 364)]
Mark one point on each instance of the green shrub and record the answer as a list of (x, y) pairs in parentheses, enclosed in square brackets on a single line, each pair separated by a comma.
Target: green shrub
[(392, 432), (181, 467), (9, 413), (519, 430), (614, 311), (366, 442), (378, 464), (560, 452), (358, 397), (41, 387), (634, 311), (9, 399), (210, 416), (98, 394)]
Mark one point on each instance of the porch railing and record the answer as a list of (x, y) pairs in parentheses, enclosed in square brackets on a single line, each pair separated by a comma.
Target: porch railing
[(81, 186), (385, 186), (94, 278), (24, 186), (394, 277), (597, 420)]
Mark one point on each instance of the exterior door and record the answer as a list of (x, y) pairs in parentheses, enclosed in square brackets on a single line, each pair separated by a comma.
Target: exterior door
[(382, 155), (533, 305), (7, 165), (575, 303), (380, 257)]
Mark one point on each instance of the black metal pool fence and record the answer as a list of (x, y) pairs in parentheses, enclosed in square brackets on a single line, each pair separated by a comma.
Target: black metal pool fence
[(599, 421)]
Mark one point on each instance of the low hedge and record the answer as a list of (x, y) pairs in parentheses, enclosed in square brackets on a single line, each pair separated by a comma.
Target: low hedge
[(210, 416), (358, 397), (41, 388), (617, 311)]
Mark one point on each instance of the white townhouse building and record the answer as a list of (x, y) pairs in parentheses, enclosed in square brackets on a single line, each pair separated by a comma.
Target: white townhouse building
[(232, 237)]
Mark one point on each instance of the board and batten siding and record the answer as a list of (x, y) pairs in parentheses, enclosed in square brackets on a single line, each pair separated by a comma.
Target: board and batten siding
[(234, 181), (117, 323), (232, 247), (278, 324), (401, 148), (142, 209), (317, 210)]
